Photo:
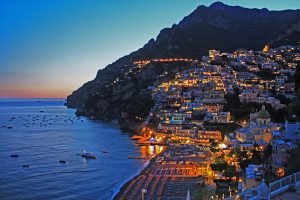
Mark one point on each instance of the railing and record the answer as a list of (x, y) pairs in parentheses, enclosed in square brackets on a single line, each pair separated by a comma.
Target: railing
[(280, 186), (284, 184), (276, 188)]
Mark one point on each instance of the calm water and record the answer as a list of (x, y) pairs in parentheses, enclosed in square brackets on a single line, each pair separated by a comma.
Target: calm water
[(45, 132)]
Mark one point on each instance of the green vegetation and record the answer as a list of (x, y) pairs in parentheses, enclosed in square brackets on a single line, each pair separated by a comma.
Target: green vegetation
[(241, 111), (254, 157), (243, 158), (219, 166), (266, 74), (230, 171), (225, 128), (213, 145), (204, 194), (297, 78), (294, 107)]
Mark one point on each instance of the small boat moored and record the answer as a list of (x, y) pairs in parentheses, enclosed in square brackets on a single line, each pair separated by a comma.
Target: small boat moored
[(14, 155), (62, 161), (88, 155), (103, 151)]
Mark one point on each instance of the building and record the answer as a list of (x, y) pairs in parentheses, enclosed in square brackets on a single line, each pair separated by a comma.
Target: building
[(266, 49), (292, 131), (253, 174), (214, 97), (213, 54), (218, 117), (261, 117), (208, 135), (247, 96), (280, 153), (260, 128)]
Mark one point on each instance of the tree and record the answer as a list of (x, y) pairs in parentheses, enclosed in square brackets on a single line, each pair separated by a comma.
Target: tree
[(219, 167), (213, 145), (230, 171), (294, 107), (243, 158), (297, 78), (204, 194), (267, 153), (256, 157), (220, 164)]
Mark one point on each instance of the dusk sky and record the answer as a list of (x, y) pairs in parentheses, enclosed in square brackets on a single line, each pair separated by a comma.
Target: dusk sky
[(49, 48)]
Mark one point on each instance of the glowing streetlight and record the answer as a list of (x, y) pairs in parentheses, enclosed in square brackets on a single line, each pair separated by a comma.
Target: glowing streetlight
[(143, 193)]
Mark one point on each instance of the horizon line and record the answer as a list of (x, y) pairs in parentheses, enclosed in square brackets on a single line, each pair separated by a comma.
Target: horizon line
[(33, 98)]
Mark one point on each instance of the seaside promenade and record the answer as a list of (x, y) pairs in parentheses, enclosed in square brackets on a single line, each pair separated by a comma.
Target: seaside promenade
[(162, 182)]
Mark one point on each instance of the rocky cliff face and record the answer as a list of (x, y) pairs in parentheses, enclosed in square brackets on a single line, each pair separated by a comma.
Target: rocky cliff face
[(127, 97), (290, 34), (218, 26)]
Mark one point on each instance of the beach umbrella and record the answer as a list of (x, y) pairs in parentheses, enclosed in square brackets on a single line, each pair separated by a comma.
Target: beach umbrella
[(188, 196)]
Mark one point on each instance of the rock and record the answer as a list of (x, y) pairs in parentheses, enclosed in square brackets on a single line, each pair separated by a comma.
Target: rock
[(124, 115)]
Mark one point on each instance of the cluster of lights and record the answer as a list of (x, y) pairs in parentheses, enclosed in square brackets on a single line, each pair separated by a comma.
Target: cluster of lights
[(144, 62)]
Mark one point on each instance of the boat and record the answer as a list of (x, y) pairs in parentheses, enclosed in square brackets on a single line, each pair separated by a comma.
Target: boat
[(25, 166), (62, 161), (88, 155), (136, 137), (103, 151), (14, 155)]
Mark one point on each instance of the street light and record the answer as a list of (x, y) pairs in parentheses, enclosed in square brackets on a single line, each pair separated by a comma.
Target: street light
[(143, 193)]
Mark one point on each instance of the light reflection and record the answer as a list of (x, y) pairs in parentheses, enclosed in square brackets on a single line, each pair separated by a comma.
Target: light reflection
[(150, 150)]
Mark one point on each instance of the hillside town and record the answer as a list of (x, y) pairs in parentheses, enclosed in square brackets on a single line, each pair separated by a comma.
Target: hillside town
[(150, 100), (225, 128)]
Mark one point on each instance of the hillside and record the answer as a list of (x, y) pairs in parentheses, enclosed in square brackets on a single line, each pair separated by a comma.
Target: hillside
[(218, 26)]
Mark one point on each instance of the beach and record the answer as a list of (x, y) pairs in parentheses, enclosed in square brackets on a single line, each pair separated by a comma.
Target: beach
[(160, 183)]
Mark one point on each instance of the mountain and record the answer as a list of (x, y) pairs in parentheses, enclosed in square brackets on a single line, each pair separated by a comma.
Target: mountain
[(218, 26)]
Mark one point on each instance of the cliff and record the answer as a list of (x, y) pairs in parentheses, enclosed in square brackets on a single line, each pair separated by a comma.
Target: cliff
[(122, 88)]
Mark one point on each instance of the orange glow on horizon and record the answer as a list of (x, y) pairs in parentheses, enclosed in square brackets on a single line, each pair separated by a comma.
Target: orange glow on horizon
[(34, 93)]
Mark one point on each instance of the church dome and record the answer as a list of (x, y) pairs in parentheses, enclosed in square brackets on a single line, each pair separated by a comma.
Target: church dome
[(263, 113)]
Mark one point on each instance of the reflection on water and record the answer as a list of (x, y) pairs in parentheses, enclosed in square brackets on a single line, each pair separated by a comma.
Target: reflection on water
[(150, 150)]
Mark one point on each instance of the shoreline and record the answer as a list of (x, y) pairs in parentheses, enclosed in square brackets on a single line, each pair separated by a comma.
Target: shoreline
[(143, 171), (125, 183)]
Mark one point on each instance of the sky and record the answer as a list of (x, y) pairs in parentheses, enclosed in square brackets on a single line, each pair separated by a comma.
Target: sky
[(49, 48)]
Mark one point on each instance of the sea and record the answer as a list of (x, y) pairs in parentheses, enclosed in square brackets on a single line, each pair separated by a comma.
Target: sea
[(43, 131)]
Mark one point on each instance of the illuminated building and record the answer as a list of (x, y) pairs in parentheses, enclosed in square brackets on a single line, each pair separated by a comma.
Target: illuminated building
[(260, 129), (248, 96), (213, 53), (207, 135), (266, 49)]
